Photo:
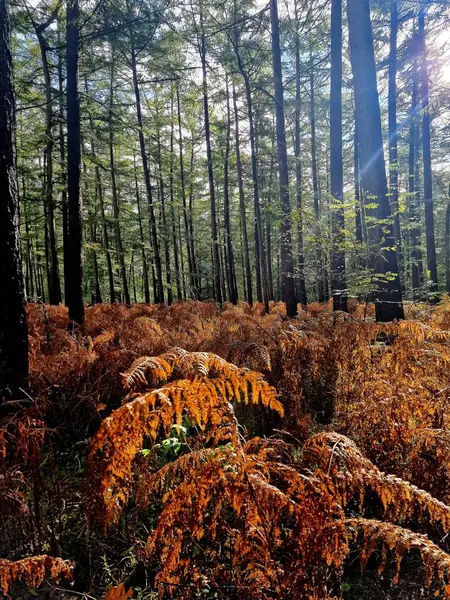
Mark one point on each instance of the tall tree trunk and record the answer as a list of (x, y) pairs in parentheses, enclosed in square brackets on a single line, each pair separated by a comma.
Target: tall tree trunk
[(226, 191), (54, 286), (413, 183), (393, 134), (338, 278), (75, 228), (141, 234), (173, 220), (373, 173), (318, 233), (298, 166), (115, 197), (13, 322), (189, 239), (287, 261), (63, 166), (261, 263), (197, 275), (242, 209), (426, 150), (101, 203), (212, 193), (357, 180), (162, 193), (159, 298)]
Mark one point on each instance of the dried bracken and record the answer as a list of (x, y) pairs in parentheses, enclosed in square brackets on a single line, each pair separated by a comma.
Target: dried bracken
[(33, 571)]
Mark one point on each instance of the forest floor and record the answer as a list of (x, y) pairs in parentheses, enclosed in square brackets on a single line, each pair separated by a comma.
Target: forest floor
[(248, 456)]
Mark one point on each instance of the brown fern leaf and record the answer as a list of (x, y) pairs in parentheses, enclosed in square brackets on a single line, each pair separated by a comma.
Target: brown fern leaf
[(230, 501), (33, 571), (332, 452), (250, 354), (399, 542), (402, 502), (121, 435), (357, 475), (151, 371)]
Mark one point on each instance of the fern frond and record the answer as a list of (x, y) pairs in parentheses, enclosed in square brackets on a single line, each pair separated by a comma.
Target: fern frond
[(33, 571), (146, 371), (331, 452), (399, 542), (205, 402)]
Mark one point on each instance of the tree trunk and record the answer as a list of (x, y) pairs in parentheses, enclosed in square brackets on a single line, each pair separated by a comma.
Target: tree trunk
[(165, 233), (413, 183), (388, 297), (62, 158), (287, 261), (393, 134), (115, 197), (54, 286), (229, 243), (212, 193), (426, 150), (189, 239), (298, 167), (141, 234), (159, 297), (242, 209), (75, 229), (319, 257), (13, 322), (338, 278), (172, 208)]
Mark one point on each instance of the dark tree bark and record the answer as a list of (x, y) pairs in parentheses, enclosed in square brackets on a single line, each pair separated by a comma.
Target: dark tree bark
[(338, 279), (393, 133), (388, 297), (63, 166), (298, 168), (287, 261), (212, 192), (413, 179), (229, 243), (319, 257), (426, 151), (54, 285), (13, 322), (74, 286), (242, 210), (115, 196)]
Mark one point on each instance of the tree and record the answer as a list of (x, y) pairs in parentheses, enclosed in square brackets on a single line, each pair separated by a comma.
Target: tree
[(287, 261), (388, 297), (74, 300), (426, 150), (393, 134), (338, 281), (13, 323), (298, 164)]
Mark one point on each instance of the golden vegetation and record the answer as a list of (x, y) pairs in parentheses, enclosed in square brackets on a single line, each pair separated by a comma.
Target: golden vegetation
[(198, 453)]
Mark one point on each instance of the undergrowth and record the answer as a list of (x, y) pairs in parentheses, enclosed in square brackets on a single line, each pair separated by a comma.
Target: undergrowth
[(197, 452)]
